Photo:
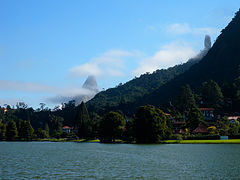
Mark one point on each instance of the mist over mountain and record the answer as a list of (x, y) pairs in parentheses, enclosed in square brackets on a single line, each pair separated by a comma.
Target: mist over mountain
[(202, 53), (122, 96), (88, 91), (91, 86)]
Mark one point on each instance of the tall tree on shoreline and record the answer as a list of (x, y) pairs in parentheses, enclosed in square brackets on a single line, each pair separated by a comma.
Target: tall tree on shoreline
[(11, 132), (111, 127), (150, 125), (82, 122)]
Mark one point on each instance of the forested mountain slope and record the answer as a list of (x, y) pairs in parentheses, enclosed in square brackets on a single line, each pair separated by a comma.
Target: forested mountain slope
[(221, 64), (145, 84)]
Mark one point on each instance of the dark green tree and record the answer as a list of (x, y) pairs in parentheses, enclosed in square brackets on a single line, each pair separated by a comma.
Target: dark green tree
[(128, 134), (111, 127), (149, 125), (56, 123), (82, 122), (186, 99), (29, 130), (223, 126), (2, 131), (42, 134), (46, 128), (194, 118), (211, 94), (25, 130), (11, 132)]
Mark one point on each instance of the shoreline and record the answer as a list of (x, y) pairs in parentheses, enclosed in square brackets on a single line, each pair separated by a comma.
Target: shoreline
[(229, 141)]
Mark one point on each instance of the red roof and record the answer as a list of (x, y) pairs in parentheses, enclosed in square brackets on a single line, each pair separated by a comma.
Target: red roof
[(206, 109), (66, 127), (200, 129)]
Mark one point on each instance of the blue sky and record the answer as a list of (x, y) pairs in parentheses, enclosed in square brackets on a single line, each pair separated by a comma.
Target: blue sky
[(49, 47)]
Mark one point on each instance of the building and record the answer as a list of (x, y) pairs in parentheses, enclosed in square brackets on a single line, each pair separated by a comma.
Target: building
[(207, 113), (232, 119), (177, 124), (67, 129)]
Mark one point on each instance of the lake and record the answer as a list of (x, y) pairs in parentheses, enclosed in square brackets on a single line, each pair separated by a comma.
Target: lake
[(68, 160)]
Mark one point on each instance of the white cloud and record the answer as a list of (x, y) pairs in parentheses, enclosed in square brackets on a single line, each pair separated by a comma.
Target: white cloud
[(110, 63), (86, 69), (8, 85), (168, 55), (66, 95), (185, 28)]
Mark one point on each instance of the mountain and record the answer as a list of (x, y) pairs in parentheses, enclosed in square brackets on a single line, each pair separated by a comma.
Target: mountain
[(221, 64), (91, 84), (129, 93), (91, 89)]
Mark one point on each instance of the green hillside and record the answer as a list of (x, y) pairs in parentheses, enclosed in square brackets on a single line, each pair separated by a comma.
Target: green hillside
[(128, 93), (221, 64)]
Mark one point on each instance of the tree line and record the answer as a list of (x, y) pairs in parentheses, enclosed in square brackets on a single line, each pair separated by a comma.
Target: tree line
[(149, 124)]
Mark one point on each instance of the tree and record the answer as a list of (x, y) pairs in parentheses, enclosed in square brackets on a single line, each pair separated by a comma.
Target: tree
[(29, 131), (111, 127), (42, 134), (46, 128), (2, 131), (194, 118), (56, 124), (186, 99), (234, 128), (11, 132), (223, 126), (25, 130), (82, 122), (149, 125), (211, 94)]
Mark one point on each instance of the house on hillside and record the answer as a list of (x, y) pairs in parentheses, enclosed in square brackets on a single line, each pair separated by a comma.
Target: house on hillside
[(177, 124), (207, 113), (67, 129), (232, 119)]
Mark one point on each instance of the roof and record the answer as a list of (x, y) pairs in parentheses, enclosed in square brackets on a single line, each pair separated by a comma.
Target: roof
[(200, 129), (233, 117), (167, 114), (66, 127), (206, 109)]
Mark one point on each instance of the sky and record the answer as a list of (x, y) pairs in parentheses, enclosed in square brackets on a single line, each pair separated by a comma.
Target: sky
[(49, 47)]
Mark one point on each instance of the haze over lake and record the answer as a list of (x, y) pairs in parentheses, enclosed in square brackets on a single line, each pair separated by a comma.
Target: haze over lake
[(65, 160)]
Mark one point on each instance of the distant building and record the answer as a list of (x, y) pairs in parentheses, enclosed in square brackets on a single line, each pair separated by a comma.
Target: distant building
[(207, 113), (177, 124), (232, 119), (67, 129)]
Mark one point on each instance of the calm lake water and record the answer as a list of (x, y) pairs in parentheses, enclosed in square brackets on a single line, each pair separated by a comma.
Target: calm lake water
[(65, 160)]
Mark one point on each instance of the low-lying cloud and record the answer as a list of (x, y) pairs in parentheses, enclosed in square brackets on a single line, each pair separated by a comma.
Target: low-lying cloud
[(168, 55), (77, 94)]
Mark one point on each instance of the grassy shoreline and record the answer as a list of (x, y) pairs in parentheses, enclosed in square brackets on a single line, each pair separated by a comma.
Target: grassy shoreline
[(230, 141)]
